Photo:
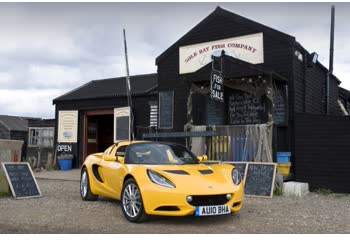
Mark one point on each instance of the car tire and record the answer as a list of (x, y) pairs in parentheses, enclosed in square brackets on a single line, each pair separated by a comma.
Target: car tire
[(132, 203), (85, 190)]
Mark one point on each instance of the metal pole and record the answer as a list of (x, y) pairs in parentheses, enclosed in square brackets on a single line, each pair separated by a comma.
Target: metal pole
[(331, 51), (128, 88)]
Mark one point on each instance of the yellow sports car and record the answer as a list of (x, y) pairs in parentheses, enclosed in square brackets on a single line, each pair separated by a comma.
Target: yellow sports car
[(153, 178)]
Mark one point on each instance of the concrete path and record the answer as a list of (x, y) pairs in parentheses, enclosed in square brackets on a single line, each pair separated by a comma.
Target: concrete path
[(70, 175)]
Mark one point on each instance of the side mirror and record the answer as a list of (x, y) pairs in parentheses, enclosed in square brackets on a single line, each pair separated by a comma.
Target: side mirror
[(109, 158), (203, 158), (121, 159)]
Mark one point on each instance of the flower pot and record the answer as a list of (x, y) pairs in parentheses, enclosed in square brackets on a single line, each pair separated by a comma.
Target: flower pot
[(65, 164)]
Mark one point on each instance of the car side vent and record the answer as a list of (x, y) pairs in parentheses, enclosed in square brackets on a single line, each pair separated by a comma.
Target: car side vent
[(95, 172), (180, 172), (205, 171)]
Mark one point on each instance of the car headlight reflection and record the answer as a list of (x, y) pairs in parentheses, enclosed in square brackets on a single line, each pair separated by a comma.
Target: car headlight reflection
[(159, 179), (236, 177)]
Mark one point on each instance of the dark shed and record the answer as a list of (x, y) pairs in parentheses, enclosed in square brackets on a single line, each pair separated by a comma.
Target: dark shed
[(95, 102)]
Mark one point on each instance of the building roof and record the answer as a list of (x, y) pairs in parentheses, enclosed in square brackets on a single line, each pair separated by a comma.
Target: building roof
[(112, 87), (220, 12), (344, 93), (14, 123)]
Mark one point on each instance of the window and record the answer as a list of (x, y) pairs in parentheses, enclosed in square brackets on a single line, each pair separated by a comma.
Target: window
[(159, 154), (166, 109), (41, 137), (153, 114), (122, 123)]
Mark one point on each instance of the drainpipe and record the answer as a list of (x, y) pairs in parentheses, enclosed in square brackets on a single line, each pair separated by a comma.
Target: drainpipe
[(331, 50)]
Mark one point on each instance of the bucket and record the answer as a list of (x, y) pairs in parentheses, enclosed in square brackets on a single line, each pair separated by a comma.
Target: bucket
[(65, 164), (283, 157), (284, 168)]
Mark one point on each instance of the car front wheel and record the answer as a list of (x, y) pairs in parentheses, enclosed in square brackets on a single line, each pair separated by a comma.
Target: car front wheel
[(85, 190), (131, 202)]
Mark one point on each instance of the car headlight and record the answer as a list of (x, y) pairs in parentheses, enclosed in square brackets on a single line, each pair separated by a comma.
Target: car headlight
[(236, 177), (159, 179)]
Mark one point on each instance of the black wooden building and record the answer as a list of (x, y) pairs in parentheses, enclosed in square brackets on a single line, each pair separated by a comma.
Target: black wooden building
[(95, 102), (269, 78)]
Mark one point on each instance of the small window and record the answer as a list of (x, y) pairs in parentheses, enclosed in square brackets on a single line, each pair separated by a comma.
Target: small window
[(153, 114), (166, 109), (41, 137)]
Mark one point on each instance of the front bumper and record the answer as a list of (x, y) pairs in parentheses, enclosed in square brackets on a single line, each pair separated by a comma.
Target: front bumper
[(169, 202)]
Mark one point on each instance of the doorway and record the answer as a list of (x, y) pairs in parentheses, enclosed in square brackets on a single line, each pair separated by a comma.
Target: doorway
[(98, 131)]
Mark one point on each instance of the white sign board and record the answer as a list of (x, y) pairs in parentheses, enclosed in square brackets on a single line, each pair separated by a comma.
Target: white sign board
[(121, 123), (249, 48), (67, 126)]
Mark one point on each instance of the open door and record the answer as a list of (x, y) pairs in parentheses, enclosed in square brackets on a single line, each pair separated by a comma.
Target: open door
[(121, 124)]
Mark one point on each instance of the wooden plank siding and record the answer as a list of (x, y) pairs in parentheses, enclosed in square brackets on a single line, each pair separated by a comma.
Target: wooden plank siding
[(322, 150), (309, 87), (140, 107), (277, 57)]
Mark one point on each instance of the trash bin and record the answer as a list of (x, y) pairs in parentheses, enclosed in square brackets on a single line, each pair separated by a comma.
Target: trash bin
[(65, 161), (283, 157), (283, 160)]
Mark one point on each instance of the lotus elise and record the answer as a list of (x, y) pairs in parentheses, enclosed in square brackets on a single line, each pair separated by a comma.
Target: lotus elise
[(153, 178)]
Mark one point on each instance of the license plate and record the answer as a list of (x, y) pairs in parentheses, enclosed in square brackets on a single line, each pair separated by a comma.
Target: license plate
[(212, 210)]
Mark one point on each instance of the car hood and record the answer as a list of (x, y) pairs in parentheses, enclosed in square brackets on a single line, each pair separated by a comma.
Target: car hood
[(196, 178)]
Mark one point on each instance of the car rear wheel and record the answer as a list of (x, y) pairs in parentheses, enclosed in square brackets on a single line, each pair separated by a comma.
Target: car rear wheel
[(85, 191), (131, 201)]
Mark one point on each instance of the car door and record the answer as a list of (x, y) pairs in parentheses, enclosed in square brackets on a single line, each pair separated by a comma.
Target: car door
[(113, 173)]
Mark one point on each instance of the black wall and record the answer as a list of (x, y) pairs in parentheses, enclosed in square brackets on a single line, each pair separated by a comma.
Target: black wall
[(278, 56), (322, 151), (309, 85), (140, 109)]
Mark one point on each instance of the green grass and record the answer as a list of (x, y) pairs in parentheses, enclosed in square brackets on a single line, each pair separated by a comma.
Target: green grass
[(3, 194), (277, 192), (324, 191)]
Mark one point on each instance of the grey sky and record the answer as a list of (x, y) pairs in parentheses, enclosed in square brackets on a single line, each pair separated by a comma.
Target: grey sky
[(48, 49)]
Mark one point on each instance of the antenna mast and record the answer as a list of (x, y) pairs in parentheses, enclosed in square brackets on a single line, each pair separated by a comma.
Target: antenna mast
[(128, 88)]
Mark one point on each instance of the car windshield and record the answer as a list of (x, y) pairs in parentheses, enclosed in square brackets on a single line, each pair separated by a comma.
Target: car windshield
[(159, 154)]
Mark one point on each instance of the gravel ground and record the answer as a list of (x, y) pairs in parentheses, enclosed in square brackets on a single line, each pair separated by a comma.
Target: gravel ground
[(61, 210)]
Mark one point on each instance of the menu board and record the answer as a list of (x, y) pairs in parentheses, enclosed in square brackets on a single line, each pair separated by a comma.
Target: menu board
[(245, 108), (166, 109), (21, 180), (215, 112), (260, 179), (279, 113)]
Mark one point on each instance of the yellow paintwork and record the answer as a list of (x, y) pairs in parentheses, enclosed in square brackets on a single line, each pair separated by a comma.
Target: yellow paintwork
[(114, 173)]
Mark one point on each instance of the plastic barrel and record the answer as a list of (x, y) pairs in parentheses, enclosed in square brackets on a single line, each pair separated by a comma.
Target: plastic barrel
[(65, 164)]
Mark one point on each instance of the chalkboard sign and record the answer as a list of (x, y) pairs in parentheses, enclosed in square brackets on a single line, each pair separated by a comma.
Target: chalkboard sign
[(245, 108), (215, 112), (240, 166), (21, 180), (279, 113), (260, 179), (166, 109)]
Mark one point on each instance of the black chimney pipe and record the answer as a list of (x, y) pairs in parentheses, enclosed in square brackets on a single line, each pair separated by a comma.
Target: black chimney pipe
[(331, 51)]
